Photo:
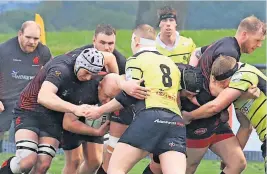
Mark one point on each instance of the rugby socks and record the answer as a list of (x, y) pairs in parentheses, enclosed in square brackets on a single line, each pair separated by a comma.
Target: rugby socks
[(5, 168), (101, 170), (147, 170)]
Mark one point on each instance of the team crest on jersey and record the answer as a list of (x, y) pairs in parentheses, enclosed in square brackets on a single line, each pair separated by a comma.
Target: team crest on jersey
[(35, 60), (58, 73), (237, 77)]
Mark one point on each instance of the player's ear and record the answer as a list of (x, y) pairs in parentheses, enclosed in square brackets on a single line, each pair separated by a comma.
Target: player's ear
[(94, 39), (137, 41), (244, 35), (20, 33)]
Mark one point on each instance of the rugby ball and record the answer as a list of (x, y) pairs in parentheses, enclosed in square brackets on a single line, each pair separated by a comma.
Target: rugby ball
[(98, 122)]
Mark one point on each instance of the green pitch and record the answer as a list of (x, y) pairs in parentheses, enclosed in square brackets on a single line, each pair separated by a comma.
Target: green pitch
[(206, 166), (62, 42)]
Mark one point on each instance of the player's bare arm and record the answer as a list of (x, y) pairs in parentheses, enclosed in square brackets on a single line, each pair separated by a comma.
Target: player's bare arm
[(224, 99), (195, 56), (48, 98), (244, 130), (110, 62), (71, 123), (132, 87), (95, 111)]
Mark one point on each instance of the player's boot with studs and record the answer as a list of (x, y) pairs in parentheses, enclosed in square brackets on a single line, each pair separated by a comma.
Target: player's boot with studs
[(5, 168)]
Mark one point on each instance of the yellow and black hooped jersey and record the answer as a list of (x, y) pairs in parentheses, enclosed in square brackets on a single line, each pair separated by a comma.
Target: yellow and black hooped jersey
[(160, 75), (254, 109), (181, 52)]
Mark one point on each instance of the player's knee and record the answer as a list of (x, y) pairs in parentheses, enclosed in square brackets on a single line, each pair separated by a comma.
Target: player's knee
[(111, 144), (94, 163), (238, 164), (241, 164), (25, 148), (46, 153), (191, 167), (43, 165)]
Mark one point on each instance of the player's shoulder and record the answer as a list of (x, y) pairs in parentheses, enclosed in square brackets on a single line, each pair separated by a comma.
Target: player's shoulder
[(186, 40), (8, 45), (43, 49), (60, 62), (247, 73)]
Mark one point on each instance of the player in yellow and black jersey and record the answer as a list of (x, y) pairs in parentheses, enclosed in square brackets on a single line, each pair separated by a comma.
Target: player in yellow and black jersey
[(169, 42), (229, 82), (157, 127)]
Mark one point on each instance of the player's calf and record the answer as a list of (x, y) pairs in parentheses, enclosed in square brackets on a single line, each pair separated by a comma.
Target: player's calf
[(25, 159), (111, 144)]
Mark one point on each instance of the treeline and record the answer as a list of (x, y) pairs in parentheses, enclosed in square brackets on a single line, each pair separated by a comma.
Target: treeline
[(85, 15)]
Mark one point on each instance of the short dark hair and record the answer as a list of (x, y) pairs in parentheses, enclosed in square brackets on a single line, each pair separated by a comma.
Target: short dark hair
[(106, 29), (166, 10)]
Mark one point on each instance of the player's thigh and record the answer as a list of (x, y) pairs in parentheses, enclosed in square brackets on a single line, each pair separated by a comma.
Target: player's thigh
[(155, 164), (26, 134), (117, 129), (229, 150), (74, 156), (92, 152), (172, 147), (173, 162), (120, 160), (195, 155), (26, 126)]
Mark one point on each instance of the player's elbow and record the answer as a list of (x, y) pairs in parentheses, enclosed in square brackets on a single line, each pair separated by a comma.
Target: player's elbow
[(215, 108), (65, 125), (41, 98), (246, 127)]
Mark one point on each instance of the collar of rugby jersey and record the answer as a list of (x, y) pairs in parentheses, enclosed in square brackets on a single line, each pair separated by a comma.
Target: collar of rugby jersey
[(147, 48), (165, 46)]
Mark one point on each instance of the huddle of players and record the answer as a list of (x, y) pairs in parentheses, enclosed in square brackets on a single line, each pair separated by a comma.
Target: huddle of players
[(157, 127)]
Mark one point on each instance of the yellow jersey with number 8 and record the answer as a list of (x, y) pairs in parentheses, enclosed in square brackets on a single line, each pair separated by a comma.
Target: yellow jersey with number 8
[(160, 75)]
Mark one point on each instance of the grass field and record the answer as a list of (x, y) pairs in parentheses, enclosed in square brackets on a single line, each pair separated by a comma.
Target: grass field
[(206, 166), (61, 42)]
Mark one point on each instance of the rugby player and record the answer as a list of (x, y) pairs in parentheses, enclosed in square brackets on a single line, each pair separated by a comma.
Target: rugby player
[(228, 83), (249, 36), (169, 42), (21, 58), (104, 40)]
